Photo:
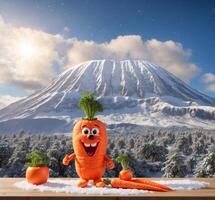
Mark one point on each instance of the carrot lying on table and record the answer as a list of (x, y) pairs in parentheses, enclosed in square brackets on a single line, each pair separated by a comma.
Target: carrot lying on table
[(125, 174), (118, 183), (148, 182)]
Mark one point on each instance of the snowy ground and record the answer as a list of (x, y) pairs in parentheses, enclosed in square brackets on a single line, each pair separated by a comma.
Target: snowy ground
[(69, 186)]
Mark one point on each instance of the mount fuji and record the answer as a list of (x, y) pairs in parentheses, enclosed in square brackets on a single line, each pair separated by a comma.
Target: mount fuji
[(133, 92)]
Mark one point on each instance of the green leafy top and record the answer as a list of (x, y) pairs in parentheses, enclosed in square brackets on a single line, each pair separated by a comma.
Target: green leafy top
[(37, 159), (89, 105), (123, 159), (107, 181)]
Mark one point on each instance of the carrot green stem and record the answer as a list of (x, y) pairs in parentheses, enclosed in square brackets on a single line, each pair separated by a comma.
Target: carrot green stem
[(107, 181), (37, 159), (123, 160), (89, 105)]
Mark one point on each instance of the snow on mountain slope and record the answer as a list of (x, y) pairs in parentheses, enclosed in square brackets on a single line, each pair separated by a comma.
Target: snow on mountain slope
[(132, 91)]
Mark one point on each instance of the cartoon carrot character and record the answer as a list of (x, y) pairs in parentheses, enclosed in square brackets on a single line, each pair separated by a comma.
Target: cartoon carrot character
[(89, 143), (125, 173)]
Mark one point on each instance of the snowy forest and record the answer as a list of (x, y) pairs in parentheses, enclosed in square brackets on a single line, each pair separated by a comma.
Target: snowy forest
[(153, 152)]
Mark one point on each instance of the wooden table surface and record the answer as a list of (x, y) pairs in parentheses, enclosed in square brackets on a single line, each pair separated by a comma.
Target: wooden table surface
[(9, 191)]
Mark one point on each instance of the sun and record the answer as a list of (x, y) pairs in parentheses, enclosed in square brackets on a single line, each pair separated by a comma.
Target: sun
[(26, 49)]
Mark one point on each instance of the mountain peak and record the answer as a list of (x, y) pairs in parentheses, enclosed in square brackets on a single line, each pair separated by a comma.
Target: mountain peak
[(131, 91), (136, 78)]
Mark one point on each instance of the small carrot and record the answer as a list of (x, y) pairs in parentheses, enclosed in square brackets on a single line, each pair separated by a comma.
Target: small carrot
[(118, 183), (148, 182), (125, 174)]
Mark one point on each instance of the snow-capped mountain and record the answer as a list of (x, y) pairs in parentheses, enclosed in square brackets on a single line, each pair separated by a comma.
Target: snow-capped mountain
[(131, 91)]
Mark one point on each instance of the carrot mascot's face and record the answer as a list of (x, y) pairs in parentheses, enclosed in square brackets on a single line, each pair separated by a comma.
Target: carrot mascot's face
[(89, 138), (89, 134)]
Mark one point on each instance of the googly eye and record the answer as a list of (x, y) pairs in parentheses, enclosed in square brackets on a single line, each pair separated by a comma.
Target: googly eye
[(95, 131), (85, 130)]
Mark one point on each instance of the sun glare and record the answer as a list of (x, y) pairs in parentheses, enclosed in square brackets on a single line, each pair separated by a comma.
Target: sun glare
[(27, 49)]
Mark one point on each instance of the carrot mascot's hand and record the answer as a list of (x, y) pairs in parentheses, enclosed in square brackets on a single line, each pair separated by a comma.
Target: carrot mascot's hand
[(110, 164), (68, 158)]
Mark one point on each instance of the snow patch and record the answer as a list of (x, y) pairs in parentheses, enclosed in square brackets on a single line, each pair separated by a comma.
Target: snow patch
[(69, 186)]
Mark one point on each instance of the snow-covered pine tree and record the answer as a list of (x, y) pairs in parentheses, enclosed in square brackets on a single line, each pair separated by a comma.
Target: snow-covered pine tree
[(59, 148), (5, 153), (206, 168), (152, 152), (191, 163), (183, 144), (175, 165)]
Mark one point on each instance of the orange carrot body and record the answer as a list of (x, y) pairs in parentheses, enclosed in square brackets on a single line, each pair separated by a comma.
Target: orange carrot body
[(118, 183), (89, 167), (125, 174), (89, 161), (37, 175), (126, 177), (148, 182)]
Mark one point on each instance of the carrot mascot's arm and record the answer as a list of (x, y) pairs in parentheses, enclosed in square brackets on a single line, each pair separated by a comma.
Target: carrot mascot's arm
[(68, 158), (109, 162)]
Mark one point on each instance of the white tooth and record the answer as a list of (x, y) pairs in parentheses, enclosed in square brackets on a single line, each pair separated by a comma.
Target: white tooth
[(86, 145), (94, 145)]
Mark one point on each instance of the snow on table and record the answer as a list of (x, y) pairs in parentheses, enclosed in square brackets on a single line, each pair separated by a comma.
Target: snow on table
[(69, 186)]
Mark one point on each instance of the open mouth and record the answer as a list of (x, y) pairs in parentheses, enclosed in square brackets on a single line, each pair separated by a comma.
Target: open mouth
[(90, 148)]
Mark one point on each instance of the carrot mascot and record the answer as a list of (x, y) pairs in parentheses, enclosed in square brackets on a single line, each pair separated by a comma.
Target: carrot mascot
[(90, 144)]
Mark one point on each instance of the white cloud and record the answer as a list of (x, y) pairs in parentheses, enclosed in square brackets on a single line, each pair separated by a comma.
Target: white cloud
[(66, 29), (5, 100), (172, 56), (169, 54), (210, 87), (27, 56), (209, 80)]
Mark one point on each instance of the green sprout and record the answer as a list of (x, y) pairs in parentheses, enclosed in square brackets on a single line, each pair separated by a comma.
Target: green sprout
[(37, 159), (89, 105), (123, 159)]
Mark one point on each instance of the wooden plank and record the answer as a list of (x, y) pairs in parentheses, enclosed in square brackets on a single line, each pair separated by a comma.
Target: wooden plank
[(8, 192)]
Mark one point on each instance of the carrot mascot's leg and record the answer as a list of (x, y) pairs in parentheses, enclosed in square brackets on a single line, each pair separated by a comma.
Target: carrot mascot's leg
[(82, 183), (99, 183)]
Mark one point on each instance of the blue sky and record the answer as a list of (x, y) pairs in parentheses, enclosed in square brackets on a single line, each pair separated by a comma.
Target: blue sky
[(190, 23)]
